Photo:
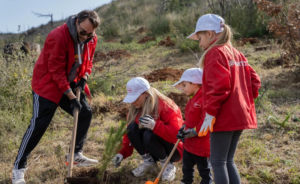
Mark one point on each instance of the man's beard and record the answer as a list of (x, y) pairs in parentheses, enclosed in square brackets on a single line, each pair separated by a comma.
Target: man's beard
[(81, 39)]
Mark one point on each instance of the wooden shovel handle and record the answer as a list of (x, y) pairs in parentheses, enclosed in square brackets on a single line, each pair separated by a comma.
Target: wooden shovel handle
[(168, 160), (71, 154)]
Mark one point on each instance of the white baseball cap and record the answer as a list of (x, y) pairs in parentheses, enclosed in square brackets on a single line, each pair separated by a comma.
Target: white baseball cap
[(193, 75), (208, 22), (135, 87)]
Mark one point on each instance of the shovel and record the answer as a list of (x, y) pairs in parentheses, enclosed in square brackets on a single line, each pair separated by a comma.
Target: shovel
[(70, 179), (163, 168)]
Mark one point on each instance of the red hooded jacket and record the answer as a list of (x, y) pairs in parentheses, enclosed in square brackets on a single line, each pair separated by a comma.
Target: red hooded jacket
[(194, 118), (52, 68), (230, 86), (166, 126)]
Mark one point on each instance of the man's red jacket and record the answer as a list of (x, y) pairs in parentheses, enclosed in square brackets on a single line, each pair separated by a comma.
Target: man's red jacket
[(52, 68)]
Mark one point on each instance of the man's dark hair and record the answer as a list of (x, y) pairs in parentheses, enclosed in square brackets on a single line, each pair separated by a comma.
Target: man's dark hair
[(91, 15)]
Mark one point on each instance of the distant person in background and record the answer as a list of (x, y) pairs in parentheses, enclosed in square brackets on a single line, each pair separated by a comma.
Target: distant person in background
[(153, 123), (63, 65)]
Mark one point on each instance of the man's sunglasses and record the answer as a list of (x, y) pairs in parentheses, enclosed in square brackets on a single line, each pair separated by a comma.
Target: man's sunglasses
[(83, 32)]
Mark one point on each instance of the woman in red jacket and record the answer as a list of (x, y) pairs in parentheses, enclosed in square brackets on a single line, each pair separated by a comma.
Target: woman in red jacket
[(154, 121), (229, 88)]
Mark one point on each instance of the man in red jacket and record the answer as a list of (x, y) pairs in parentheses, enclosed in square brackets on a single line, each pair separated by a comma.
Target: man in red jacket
[(196, 149), (63, 65)]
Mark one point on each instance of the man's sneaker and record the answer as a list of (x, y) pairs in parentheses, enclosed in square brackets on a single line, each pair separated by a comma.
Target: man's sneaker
[(169, 172), (81, 161), (144, 168), (18, 176)]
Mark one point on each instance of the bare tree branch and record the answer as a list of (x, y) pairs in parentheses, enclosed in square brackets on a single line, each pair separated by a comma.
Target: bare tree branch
[(102, 67), (125, 69), (45, 15), (107, 64), (195, 54)]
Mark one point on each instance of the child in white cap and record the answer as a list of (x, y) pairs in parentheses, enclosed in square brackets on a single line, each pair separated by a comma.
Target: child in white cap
[(196, 149), (229, 88), (159, 119)]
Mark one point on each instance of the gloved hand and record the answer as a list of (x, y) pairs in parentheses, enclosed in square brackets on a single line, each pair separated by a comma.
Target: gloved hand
[(81, 84), (180, 132), (75, 104), (117, 160), (207, 125), (72, 86), (188, 133), (181, 129), (147, 121)]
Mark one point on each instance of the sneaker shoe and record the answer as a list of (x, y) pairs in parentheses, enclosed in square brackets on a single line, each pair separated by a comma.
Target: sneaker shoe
[(18, 176), (169, 172), (81, 161), (144, 168)]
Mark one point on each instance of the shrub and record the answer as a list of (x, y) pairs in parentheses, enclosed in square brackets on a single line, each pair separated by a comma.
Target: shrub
[(15, 99), (109, 30), (184, 26), (126, 37), (137, 20), (284, 23), (188, 45), (179, 5), (247, 22), (159, 25), (112, 9), (98, 85)]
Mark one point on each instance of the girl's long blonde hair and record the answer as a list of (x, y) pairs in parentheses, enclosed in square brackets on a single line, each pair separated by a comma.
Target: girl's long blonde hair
[(224, 38), (150, 105)]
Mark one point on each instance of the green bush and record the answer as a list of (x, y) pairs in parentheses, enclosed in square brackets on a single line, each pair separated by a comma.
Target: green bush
[(179, 5), (126, 37), (109, 30), (137, 20), (246, 21), (15, 99), (184, 27), (15, 85), (98, 85), (159, 25), (187, 45), (111, 10)]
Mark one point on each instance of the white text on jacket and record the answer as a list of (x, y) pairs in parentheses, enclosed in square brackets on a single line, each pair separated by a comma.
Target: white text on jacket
[(238, 63)]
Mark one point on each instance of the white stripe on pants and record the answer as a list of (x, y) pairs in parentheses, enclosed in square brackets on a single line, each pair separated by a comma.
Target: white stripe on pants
[(29, 130)]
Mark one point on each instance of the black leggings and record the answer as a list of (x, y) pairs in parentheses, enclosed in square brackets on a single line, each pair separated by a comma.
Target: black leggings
[(145, 141), (222, 150)]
